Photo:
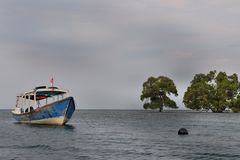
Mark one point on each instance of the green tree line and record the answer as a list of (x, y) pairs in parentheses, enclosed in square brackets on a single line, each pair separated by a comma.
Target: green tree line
[(215, 91)]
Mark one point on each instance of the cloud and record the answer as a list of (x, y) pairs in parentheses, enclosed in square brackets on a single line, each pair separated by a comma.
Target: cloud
[(104, 50)]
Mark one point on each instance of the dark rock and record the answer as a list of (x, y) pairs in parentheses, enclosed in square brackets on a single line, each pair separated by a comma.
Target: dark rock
[(183, 131)]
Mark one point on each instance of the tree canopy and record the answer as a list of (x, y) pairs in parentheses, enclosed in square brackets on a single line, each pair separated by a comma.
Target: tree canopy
[(213, 91), (156, 92)]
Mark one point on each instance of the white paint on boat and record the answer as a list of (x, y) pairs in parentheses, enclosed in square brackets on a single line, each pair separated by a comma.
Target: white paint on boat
[(49, 121)]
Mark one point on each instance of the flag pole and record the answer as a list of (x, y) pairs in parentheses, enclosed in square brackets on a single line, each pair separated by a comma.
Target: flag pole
[(52, 82)]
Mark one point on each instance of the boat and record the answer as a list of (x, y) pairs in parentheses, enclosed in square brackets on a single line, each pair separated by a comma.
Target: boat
[(44, 105)]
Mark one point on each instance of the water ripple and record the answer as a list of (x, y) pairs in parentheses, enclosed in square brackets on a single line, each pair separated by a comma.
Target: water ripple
[(40, 146), (111, 134)]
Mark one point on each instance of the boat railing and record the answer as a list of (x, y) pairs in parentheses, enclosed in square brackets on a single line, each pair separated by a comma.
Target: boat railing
[(24, 104), (49, 100)]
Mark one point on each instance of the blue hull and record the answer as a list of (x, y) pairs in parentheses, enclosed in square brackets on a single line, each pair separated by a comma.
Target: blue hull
[(57, 113)]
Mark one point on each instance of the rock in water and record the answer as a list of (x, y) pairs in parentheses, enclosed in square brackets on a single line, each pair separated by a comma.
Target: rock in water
[(183, 131)]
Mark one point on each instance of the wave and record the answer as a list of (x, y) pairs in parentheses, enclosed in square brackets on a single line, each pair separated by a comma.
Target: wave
[(38, 146)]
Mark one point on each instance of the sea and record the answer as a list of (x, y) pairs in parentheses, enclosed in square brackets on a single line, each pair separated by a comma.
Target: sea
[(124, 135)]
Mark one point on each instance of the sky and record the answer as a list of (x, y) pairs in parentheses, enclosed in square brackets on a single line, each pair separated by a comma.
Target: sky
[(103, 51)]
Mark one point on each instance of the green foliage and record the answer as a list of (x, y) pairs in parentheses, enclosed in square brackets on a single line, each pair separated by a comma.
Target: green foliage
[(213, 91), (156, 91), (235, 105)]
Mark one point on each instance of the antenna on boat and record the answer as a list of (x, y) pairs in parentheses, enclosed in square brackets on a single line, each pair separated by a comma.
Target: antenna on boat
[(52, 82)]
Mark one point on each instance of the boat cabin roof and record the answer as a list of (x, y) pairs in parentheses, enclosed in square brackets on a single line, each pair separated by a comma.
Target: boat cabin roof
[(42, 92)]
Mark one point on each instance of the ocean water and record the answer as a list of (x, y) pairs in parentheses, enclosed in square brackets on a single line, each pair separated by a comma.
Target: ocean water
[(124, 135)]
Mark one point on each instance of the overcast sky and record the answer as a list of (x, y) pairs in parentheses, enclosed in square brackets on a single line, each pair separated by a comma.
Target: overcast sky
[(103, 50)]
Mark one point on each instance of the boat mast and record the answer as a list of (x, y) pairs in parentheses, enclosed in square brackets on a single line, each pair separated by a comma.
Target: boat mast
[(28, 102), (52, 82), (24, 98), (35, 99)]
